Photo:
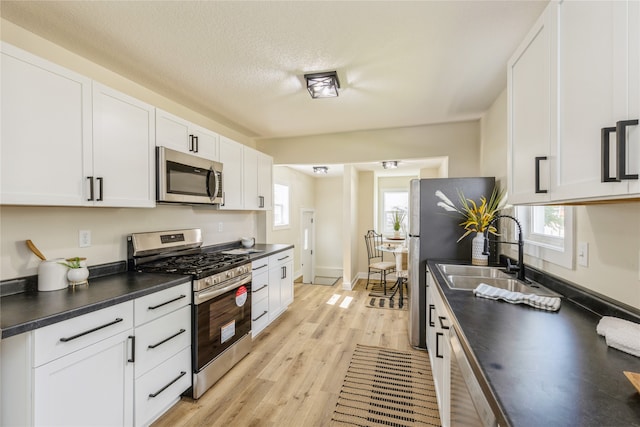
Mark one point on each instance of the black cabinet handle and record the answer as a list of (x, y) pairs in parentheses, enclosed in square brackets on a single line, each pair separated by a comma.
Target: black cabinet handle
[(101, 187), (133, 349), (284, 272), (259, 289), (280, 259), (258, 268), (438, 335), (261, 201), (442, 325), (431, 308), (538, 159), (258, 318), (190, 142), (167, 339), (182, 374), (621, 142), (90, 199), (153, 307), (224, 199), (196, 146), (605, 141), (66, 339)]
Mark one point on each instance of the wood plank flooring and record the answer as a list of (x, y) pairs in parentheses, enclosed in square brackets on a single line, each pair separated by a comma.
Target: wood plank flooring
[(295, 370)]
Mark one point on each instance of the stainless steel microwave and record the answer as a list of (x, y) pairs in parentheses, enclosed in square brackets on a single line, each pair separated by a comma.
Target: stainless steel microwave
[(185, 178)]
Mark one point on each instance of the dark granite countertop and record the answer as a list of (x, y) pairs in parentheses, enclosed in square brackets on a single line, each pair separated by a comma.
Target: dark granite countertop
[(30, 310), (25, 311), (543, 368)]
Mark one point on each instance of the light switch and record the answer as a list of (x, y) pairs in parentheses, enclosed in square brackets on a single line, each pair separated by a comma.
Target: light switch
[(583, 254)]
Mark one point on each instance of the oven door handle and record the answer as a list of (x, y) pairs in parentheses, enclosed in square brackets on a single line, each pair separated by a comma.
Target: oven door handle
[(203, 296)]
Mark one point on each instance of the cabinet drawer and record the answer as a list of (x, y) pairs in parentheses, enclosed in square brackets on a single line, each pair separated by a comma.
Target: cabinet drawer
[(160, 388), (280, 258), (54, 341), (259, 316), (259, 287), (158, 340), (158, 304), (260, 265)]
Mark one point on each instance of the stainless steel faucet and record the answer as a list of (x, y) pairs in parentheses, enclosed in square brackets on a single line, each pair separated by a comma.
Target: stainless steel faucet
[(520, 267)]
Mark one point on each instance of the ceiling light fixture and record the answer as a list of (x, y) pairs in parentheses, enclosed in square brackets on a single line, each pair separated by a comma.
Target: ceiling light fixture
[(390, 164), (323, 85), (320, 170)]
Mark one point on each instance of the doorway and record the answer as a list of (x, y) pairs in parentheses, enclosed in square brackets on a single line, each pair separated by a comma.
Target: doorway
[(308, 245)]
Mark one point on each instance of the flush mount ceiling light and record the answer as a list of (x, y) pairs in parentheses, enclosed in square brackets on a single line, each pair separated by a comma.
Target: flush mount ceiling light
[(323, 85), (320, 170), (390, 164)]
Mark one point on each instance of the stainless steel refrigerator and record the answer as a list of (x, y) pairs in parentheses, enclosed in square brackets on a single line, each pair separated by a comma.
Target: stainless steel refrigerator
[(433, 233)]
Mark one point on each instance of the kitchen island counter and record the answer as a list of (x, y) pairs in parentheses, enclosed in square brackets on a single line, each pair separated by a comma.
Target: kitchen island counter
[(543, 368)]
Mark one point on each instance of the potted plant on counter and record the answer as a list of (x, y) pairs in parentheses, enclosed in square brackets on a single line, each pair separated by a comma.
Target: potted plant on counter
[(78, 272)]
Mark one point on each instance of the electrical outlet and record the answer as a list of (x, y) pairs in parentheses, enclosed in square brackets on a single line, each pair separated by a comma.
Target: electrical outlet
[(84, 238), (219, 227), (583, 254)]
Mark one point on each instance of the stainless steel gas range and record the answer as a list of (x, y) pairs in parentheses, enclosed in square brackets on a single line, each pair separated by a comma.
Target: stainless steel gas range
[(221, 312)]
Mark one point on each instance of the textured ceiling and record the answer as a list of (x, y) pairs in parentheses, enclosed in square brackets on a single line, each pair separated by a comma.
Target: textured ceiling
[(241, 62)]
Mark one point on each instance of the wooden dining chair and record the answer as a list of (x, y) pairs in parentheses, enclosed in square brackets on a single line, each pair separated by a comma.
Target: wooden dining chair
[(377, 264)]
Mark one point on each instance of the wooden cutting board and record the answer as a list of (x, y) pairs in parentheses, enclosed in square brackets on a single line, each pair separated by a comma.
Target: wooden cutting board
[(634, 378)]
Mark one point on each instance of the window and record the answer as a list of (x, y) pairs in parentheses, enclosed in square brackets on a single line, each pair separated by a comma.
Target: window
[(280, 206), (548, 233), (392, 201)]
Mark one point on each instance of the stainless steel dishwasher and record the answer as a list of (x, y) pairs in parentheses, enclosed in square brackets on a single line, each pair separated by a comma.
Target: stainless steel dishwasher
[(468, 405)]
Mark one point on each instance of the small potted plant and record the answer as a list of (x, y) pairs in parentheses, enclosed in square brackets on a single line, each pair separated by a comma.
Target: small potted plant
[(78, 272), (398, 217)]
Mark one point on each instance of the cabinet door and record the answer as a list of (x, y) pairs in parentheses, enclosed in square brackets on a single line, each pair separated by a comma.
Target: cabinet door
[(265, 181), (593, 79), (232, 173), (46, 130), (123, 151), (275, 293), (250, 182), (172, 132), (633, 135), (531, 113), (91, 387), (205, 143)]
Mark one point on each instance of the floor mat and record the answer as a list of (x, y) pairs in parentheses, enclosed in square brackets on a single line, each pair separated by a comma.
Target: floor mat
[(385, 387), (325, 281)]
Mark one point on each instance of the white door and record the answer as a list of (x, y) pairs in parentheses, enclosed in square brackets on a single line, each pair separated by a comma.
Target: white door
[(308, 242)]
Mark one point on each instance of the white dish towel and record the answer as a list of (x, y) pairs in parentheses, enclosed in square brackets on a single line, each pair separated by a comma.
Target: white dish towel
[(543, 303), (620, 334)]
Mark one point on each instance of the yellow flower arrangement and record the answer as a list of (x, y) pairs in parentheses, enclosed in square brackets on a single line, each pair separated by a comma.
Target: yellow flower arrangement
[(476, 217)]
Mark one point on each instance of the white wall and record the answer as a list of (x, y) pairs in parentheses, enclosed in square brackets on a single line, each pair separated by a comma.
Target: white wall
[(329, 227), (459, 141), (612, 230), (54, 230), (351, 222), (302, 196)]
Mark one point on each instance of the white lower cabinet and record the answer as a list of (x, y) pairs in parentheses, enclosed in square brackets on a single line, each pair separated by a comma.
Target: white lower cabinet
[(438, 326), (83, 371), (280, 283), (259, 295)]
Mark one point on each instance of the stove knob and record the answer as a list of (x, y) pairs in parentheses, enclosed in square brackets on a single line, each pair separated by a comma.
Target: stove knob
[(229, 274), (208, 281)]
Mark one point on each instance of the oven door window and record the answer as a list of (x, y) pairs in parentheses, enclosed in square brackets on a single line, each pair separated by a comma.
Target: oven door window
[(187, 180), (221, 322)]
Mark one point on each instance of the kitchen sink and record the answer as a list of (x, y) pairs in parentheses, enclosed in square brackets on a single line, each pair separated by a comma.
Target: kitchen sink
[(471, 270), (468, 277)]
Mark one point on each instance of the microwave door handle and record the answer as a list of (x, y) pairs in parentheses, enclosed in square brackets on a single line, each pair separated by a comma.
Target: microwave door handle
[(212, 175)]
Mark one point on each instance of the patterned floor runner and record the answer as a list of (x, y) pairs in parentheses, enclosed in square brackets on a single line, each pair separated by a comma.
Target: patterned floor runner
[(385, 387)]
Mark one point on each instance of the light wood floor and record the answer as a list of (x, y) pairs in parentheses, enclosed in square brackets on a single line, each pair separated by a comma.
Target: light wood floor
[(294, 372)]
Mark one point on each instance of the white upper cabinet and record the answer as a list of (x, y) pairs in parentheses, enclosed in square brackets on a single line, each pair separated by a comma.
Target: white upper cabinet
[(598, 74), (531, 118), (46, 131), (181, 135), (257, 180), (69, 142), (232, 173), (122, 167), (574, 99)]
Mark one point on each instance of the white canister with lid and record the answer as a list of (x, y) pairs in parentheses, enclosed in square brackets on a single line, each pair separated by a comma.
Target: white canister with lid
[(52, 275)]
